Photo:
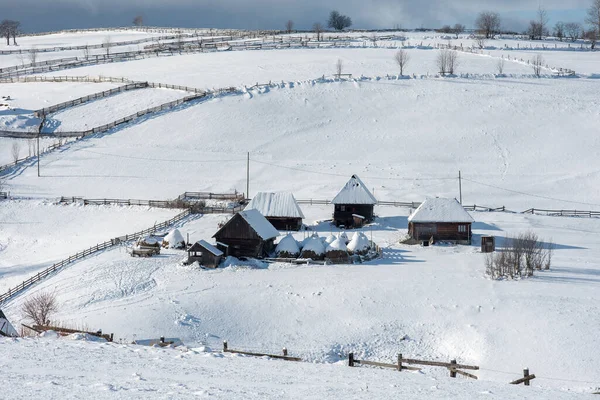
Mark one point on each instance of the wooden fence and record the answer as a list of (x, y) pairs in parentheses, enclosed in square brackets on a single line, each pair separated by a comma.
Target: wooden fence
[(239, 197), (12, 292), (3, 195), (283, 356), (563, 213)]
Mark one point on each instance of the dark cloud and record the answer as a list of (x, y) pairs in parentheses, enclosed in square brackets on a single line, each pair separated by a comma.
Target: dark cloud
[(42, 15)]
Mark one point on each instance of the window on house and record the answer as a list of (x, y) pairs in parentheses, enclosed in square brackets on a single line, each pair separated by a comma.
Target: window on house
[(462, 229), (342, 208)]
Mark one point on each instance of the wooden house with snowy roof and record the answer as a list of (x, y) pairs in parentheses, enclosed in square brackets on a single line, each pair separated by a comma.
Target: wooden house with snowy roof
[(279, 208), (205, 253), (441, 219), (246, 234), (354, 204)]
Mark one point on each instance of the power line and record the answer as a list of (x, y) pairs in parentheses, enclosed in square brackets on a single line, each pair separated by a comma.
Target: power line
[(345, 175), (530, 194), (160, 159)]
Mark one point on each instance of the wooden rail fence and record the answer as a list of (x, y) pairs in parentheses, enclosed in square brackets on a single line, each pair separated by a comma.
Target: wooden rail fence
[(12, 292), (67, 331), (284, 356)]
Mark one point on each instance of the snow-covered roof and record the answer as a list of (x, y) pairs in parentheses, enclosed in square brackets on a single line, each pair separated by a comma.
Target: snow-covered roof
[(210, 248), (276, 204), (354, 192), (5, 326), (440, 210), (260, 224)]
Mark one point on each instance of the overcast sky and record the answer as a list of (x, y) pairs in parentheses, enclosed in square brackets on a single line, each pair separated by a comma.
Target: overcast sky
[(44, 15)]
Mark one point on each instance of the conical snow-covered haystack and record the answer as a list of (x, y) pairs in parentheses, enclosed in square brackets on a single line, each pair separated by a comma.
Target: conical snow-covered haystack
[(308, 239), (174, 240), (313, 249), (337, 251), (330, 239), (344, 237), (287, 247), (359, 244)]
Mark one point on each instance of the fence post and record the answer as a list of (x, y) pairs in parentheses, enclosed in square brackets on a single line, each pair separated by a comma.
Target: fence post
[(224, 345), (400, 362), (112, 336), (285, 353), (453, 370), (351, 360), (525, 375)]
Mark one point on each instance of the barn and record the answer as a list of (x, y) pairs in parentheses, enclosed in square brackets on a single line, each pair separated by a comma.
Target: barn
[(205, 253), (354, 204), (279, 208), (246, 234), (443, 219)]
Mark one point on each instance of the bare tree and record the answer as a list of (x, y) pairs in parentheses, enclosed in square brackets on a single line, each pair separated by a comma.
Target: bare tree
[(521, 256), (535, 30), (458, 29), (374, 38), (86, 52), (138, 20), (479, 41), (593, 16), (339, 66), (559, 30), (591, 36), (402, 58), (542, 19), (107, 44), (289, 26), (500, 66), (38, 308), (33, 52), (445, 29), (488, 24), (338, 21), (10, 28), (15, 150), (537, 63), (447, 61), (573, 30), (318, 28)]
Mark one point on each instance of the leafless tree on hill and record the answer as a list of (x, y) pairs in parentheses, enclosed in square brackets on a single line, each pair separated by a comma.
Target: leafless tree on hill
[(500, 66), (33, 55), (559, 30), (9, 28), (592, 37), (39, 307), (107, 44), (479, 41), (593, 16), (458, 29), (338, 21), (86, 52), (488, 24), (402, 58), (138, 20), (537, 63), (15, 150), (289, 26), (447, 61), (318, 28), (573, 30), (374, 39), (542, 20)]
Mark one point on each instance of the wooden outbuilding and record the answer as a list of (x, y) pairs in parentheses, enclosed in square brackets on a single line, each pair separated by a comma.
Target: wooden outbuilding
[(279, 208), (247, 234), (205, 253), (354, 204), (441, 219)]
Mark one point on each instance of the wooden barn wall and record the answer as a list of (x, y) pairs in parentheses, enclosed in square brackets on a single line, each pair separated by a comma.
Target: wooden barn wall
[(236, 228), (286, 224)]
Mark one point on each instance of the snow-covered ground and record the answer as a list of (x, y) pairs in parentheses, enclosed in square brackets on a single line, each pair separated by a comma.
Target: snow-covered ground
[(35, 234), (103, 111), (115, 371), (413, 135), (429, 303)]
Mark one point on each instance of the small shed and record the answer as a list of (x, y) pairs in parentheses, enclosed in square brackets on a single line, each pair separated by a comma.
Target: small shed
[(280, 208), (205, 253), (246, 234), (441, 219), (354, 204)]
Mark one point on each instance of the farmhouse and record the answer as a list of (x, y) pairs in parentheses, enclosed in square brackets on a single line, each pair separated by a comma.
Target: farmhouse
[(246, 234), (279, 208), (353, 205), (205, 253), (441, 218)]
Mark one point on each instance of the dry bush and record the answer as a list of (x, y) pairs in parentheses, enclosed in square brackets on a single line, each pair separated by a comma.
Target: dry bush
[(479, 41), (339, 67), (447, 61), (39, 307), (537, 63), (521, 256), (500, 66)]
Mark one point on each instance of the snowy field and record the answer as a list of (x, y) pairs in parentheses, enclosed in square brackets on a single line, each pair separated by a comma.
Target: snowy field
[(414, 136), (67, 39), (429, 303), (109, 109), (113, 371), (35, 234), (206, 70)]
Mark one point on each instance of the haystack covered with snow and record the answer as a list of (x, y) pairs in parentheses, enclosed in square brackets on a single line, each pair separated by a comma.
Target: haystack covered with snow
[(330, 238), (174, 240), (359, 244), (287, 247), (313, 249), (337, 251), (280, 208), (442, 219)]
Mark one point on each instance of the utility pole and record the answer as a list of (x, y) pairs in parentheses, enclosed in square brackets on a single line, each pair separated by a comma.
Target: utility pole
[(460, 187), (248, 177)]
